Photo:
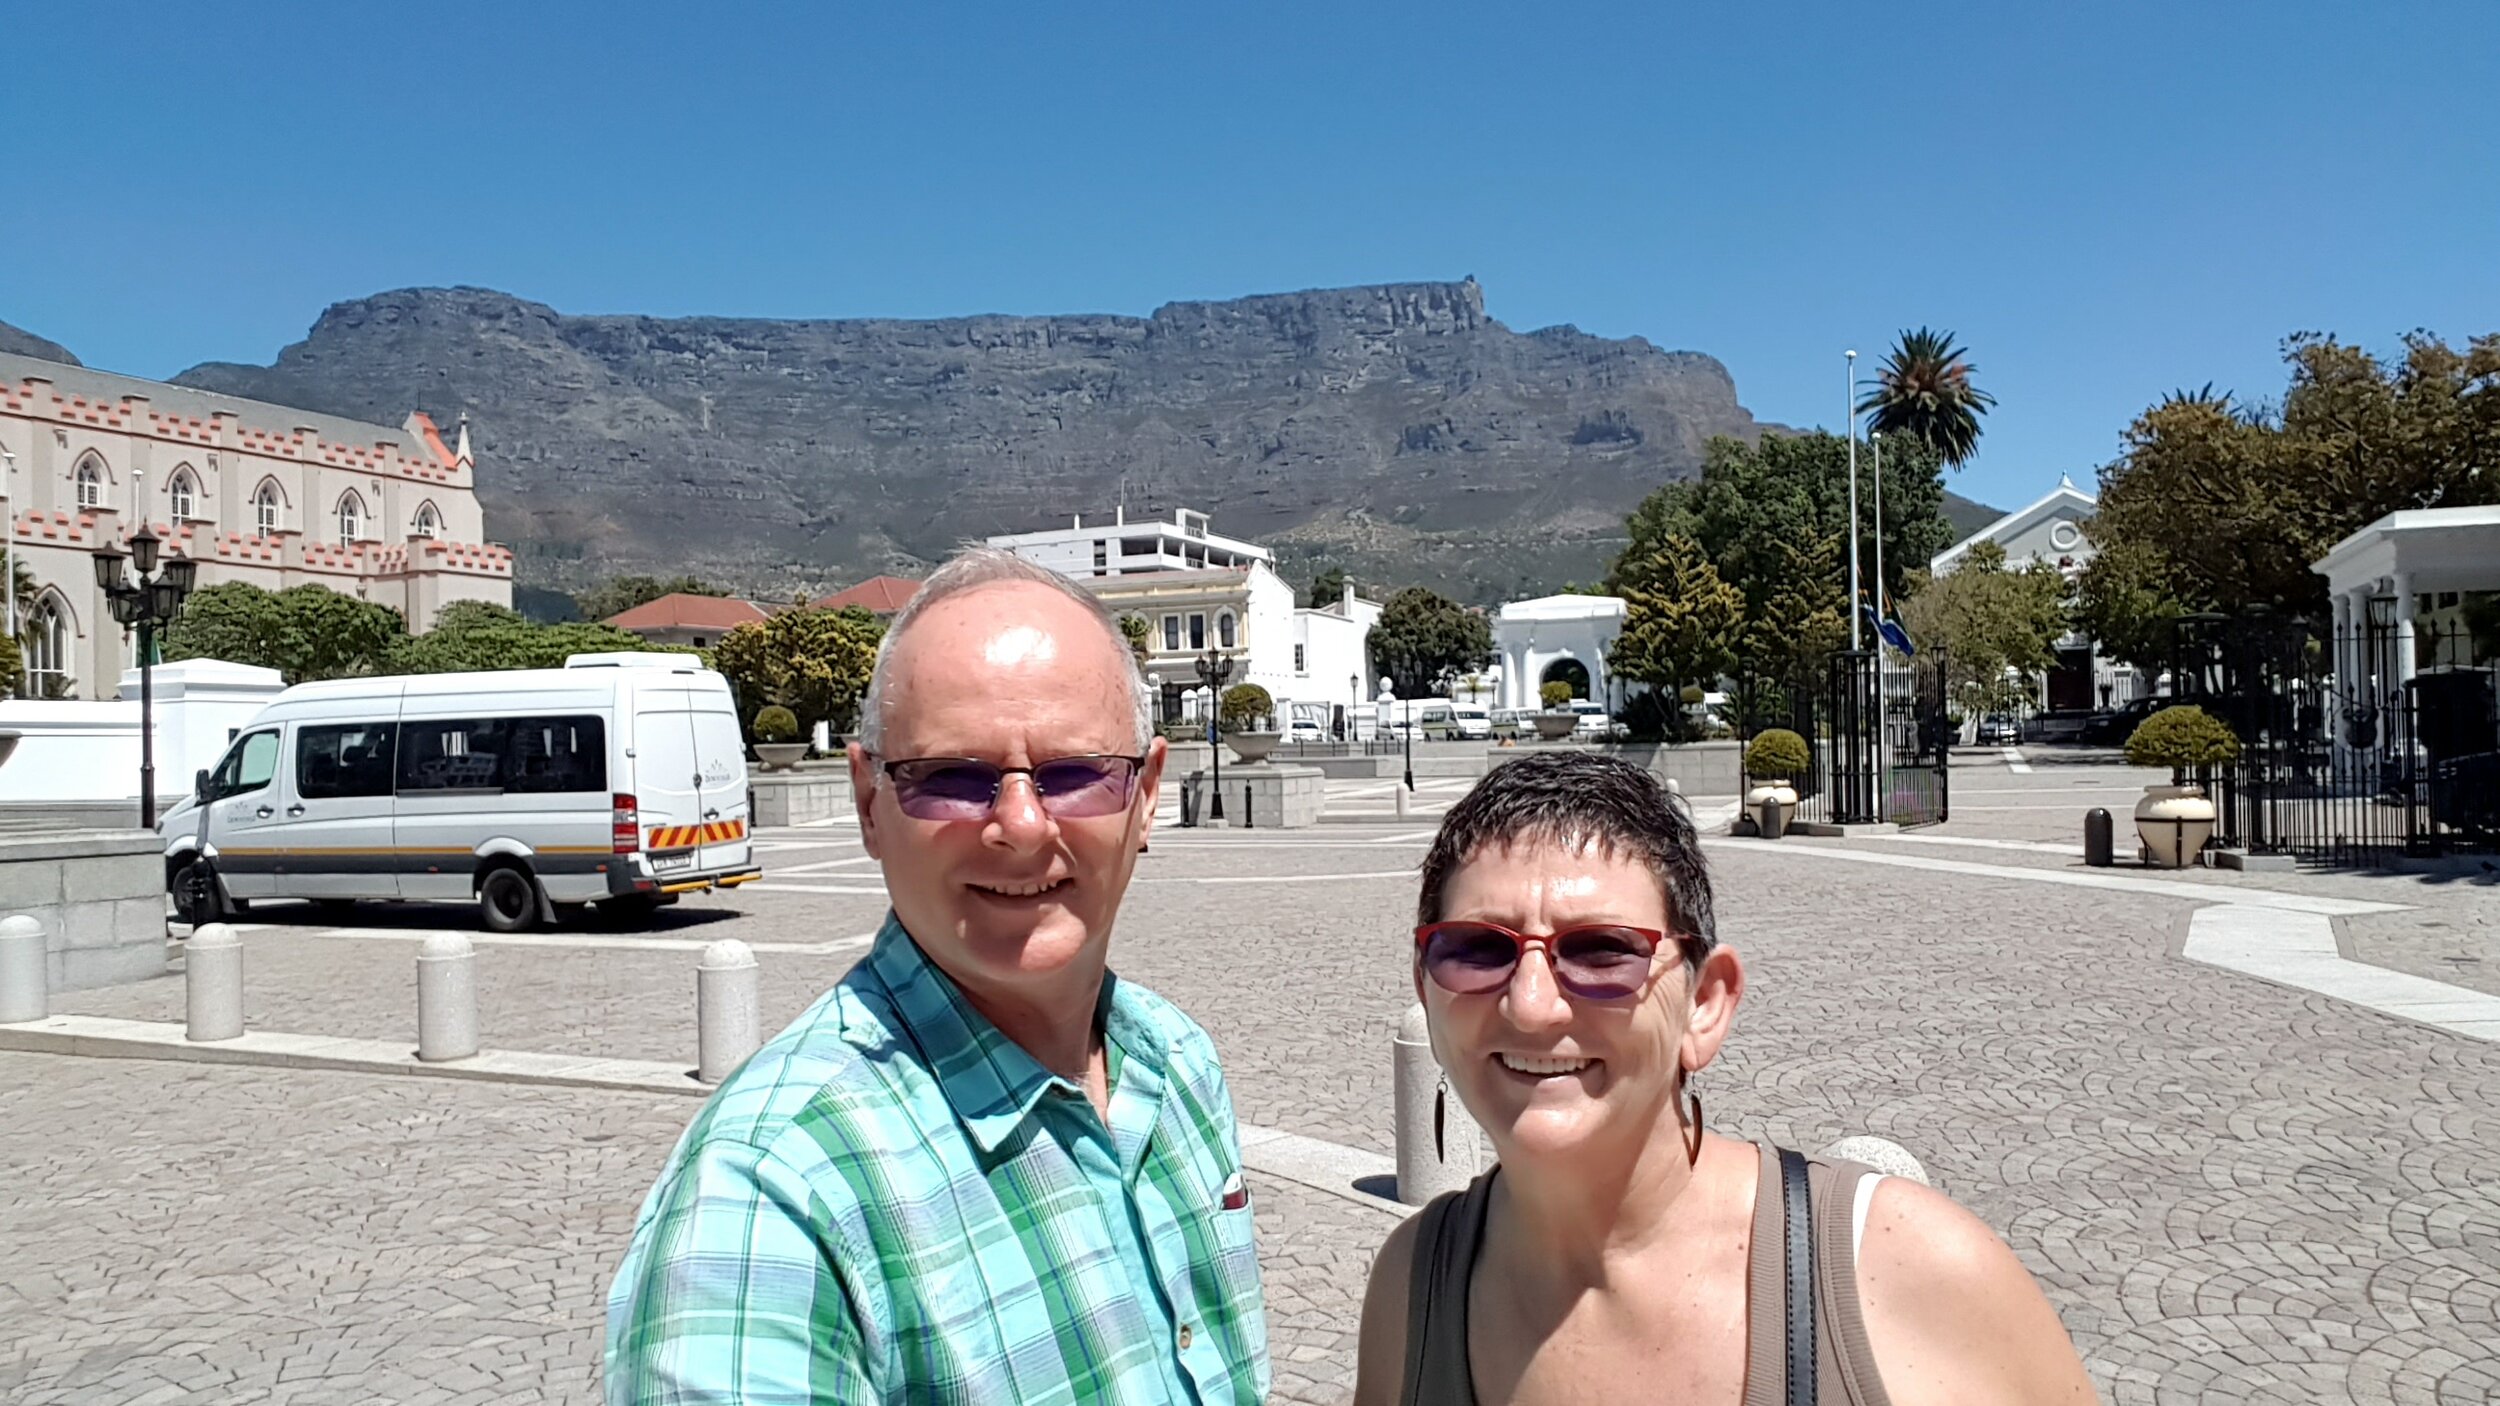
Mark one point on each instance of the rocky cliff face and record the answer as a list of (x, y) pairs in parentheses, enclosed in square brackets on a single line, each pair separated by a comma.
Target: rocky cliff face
[(1397, 430), (17, 341)]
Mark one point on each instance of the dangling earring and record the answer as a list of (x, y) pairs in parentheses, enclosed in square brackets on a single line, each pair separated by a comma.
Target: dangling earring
[(1692, 1150), (1440, 1115)]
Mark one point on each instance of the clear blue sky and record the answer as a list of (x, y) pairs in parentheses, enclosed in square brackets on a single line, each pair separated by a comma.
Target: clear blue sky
[(2105, 201)]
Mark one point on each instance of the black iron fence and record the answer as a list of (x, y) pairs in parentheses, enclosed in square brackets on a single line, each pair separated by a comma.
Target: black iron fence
[(2358, 747), (1877, 743)]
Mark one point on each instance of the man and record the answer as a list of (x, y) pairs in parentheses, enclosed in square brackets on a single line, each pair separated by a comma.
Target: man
[(982, 1168)]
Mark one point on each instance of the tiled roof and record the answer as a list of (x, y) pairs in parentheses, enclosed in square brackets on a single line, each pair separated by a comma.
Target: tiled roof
[(690, 612), (878, 595)]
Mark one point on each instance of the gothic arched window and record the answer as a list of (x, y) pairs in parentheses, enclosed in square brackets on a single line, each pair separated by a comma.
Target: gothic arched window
[(46, 636), (89, 476), (265, 508), (183, 489), (351, 517)]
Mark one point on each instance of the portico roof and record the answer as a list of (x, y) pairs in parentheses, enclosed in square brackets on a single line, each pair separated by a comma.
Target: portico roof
[(2439, 549)]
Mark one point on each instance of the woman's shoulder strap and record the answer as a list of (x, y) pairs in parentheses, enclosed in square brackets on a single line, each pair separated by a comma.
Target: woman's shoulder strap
[(1447, 1232)]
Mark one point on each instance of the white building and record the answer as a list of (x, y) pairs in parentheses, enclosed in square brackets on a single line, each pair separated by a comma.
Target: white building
[(2050, 531), (1202, 593), (2399, 573), (1123, 548), (1551, 638), (250, 491)]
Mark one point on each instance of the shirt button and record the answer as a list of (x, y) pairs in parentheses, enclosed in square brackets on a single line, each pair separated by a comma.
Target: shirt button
[(1184, 1337)]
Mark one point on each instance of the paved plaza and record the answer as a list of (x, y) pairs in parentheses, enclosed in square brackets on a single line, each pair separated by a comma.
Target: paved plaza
[(2234, 1188)]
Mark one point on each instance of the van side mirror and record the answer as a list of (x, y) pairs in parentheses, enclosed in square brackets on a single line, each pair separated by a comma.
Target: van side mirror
[(199, 786)]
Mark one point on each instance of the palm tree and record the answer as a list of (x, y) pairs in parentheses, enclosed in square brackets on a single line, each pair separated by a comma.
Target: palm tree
[(1136, 631), (1924, 390)]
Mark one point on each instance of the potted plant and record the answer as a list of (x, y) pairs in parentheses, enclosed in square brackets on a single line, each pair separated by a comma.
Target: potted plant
[(1773, 759), (2175, 821), (1249, 722), (777, 742), (1557, 721)]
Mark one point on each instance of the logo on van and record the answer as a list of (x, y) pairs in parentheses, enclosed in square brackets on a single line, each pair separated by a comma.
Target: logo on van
[(718, 774)]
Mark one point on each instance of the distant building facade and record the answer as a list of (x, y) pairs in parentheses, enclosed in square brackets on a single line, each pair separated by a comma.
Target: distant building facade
[(1551, 639), (1199, 593), (881, 596), (2050, 531), (250, 491), (684, 618)]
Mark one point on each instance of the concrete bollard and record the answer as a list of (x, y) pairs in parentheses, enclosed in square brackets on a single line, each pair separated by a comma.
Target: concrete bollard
[(1424, 1172), (727, 1026), (212, 983), (1400, 788), (2098, 844), (446, 998), (1883, 1154), (1674, 787), (25, 979)]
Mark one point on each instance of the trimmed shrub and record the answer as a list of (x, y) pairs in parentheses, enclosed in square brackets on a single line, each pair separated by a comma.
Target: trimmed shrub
[(1692, 694), (2181, 737), (1246, 703), (776, 724), (1776, 754), (1555, 695)]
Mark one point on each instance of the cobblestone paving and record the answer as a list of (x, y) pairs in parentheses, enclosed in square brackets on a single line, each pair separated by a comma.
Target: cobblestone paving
[(2233, 1191)]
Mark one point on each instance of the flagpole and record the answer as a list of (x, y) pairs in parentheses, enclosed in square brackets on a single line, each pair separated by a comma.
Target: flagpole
[(1856, 601), (1875, 443), (1883, 657)]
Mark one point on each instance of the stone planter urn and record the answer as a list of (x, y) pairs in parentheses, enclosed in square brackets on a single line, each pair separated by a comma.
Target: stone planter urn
[(1771, 804), (1554, 727), (780, 756), (1253, 746), (2174, 822)]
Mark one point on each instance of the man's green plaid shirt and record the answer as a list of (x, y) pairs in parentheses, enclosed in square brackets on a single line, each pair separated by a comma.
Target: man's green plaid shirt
[(893, 1201)]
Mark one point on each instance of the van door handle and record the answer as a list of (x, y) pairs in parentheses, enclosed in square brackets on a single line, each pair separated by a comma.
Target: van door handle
[(264, 812), (291, 810), (711, 815)]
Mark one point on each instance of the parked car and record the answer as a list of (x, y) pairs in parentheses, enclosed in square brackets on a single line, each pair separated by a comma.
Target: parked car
[(1474, 720), (1306, 730), (2113, 727), (1594, 725), (619, 779), (1513, 722), (2000, 729)]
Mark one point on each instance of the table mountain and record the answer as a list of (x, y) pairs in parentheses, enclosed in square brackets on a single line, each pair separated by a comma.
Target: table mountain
[(17, 341), (1396, 430)]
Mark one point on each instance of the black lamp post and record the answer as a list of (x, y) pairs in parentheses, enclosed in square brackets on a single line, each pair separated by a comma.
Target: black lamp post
[(1409, 710), (1215, 670), (149, 598)]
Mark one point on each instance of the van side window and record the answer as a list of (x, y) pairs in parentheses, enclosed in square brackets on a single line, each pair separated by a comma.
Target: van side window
[(249, 765), (526, 756), (333, 762)]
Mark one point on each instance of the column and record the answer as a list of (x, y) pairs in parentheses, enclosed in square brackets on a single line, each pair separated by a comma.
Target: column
[(2404, 634)]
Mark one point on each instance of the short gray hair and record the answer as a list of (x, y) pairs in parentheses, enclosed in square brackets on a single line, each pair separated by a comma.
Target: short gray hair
[(971, 569)]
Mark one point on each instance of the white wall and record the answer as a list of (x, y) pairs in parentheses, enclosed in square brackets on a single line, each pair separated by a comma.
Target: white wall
[(1530, 636), (74, 751)]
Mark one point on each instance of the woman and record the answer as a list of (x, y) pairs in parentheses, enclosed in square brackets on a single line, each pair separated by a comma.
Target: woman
[(1568, 965)]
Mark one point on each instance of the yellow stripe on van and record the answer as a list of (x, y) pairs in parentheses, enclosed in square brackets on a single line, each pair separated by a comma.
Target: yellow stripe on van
[(710, 832)]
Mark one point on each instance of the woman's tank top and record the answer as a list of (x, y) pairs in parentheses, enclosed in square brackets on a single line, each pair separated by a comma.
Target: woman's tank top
[(1452, 1229)]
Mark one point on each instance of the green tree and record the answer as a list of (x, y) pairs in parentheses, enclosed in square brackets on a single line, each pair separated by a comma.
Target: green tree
[(1924, 392), (478, 637), (1244, 704), (1423, 638), (1682, 624), (13, 651), (303, 632), (1326, 588), (815, 663), (1989, 619), (2216, 506), (1140, 636), (614, 597)]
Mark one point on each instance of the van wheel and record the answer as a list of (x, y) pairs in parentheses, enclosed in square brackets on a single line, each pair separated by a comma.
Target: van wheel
[(507, 899), (198, 897)]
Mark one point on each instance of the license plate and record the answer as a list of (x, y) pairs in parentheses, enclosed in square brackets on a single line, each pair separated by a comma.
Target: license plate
[(665, 862)]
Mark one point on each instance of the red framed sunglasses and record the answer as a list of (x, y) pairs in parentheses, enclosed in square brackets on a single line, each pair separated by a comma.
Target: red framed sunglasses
[(1593, 961)]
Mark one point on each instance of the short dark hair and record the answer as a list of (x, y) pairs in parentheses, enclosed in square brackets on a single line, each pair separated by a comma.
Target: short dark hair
[(1573, 797)]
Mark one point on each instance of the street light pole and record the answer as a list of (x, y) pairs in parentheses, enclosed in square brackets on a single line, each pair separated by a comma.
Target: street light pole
[(1214, 670), (146, 599), (1856, 640)]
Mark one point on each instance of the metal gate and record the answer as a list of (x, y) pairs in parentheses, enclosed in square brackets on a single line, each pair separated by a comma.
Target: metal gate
[(1917, 741)]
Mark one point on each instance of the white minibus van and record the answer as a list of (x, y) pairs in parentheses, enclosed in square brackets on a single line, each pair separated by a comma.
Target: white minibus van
[(618, 779)]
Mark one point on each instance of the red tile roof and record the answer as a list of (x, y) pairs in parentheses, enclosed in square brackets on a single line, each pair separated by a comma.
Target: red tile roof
[(878, 595), (690, 612)]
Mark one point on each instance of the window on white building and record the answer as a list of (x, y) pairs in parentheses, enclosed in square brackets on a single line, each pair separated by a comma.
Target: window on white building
[(183, 491), (429, 522), (90, 480), (1171, 632), (1224, 629), (351, 517), (47, 639), (265, 509), (1299, 666), (1197, 632)]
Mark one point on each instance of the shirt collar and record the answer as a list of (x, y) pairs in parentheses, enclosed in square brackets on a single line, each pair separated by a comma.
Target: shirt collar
[(989, 1080)]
